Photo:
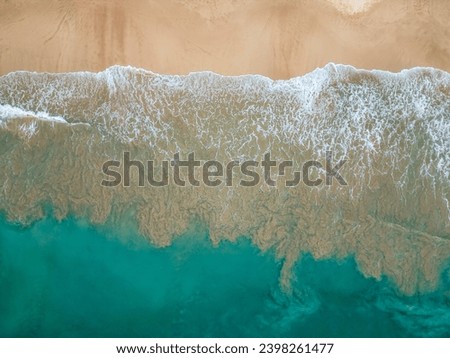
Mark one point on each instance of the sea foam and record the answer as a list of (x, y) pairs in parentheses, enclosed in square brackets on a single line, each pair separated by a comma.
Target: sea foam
[(392, 129)]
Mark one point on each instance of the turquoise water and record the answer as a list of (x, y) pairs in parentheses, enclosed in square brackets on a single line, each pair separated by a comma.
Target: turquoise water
[(70, 279)]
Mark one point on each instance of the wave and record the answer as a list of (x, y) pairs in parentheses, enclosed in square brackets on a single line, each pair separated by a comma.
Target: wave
[(393, 130)]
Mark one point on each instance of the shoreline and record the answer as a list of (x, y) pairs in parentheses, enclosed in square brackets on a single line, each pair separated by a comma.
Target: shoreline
[(279, 40), (145, 71)]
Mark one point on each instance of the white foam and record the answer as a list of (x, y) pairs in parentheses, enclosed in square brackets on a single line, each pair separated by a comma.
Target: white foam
[(339, 106), (8, 112)]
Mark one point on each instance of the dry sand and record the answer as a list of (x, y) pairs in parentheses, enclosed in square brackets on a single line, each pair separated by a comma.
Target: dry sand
[(279, 39)]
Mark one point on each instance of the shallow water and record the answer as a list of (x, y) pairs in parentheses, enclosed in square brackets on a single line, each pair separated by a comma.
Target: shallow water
[(368, 258), (70, 279)]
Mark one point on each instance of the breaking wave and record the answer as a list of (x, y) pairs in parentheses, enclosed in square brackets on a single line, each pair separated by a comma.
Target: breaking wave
[(393, 129)]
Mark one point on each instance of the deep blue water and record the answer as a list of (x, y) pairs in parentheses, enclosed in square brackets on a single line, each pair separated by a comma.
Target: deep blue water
[(70, 279)]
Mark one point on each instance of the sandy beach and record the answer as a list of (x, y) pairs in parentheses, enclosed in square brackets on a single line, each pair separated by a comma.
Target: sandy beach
[(279, 39), (146, 196)]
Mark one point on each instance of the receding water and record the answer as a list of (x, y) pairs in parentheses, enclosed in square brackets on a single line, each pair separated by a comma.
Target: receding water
[(391, 223), (69, 279)]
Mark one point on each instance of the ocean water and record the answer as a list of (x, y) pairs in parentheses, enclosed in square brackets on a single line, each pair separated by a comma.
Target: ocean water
[(70, 279), (369, 258)]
